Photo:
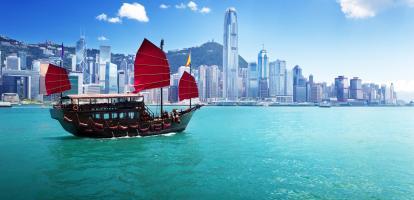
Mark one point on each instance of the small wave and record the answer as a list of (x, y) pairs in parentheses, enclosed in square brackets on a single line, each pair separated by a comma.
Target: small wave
[(123, 137), (169, 134)]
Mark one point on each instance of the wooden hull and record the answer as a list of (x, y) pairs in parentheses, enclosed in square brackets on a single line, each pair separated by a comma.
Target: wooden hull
[(71, 122)]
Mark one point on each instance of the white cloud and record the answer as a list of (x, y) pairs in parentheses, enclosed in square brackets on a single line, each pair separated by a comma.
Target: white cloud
[(114, 20), (102, 38), (192, 5), (102, 17), (164, 6), (133, 11), (105, 18), (180, 6), (205, 10), (360, 9)]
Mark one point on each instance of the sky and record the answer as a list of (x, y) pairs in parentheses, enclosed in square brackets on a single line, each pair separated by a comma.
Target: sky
[(370, 39)]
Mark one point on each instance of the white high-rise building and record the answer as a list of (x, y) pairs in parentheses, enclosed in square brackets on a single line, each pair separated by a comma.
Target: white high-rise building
[(13, 62), (273, 84), (23, 60), (208, 82), (289, 83), (280, 77), (121, 81), (230, 56), (111, 78), (73, 60), (104, 54), (80, 54)]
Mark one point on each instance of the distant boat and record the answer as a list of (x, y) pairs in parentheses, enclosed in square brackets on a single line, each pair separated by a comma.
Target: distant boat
[(121, 115), (4, 104), (325, 104)]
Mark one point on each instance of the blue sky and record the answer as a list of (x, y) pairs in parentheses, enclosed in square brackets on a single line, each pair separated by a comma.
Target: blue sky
[(371, 39)]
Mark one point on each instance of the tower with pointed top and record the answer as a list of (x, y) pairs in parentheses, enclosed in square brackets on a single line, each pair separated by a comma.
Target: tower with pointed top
[(230, 56)]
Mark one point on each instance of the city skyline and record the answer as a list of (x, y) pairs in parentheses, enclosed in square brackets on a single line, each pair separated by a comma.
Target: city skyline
[(329, 37)]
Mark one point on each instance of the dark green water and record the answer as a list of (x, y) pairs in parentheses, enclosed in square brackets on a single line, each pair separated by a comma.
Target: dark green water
[(226, 153)]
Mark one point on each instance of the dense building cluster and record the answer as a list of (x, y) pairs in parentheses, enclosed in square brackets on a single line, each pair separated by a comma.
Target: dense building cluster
[(261, 81)]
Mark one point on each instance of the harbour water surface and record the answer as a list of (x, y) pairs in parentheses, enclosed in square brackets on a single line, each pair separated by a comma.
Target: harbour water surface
[(225, 153)]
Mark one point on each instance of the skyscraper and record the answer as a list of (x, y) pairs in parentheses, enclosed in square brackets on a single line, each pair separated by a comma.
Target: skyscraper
[(309, 86), (253, 83), (230, 55), (288, 83), (355, 90), (277, 72), (23, 60), (80, 54), (111, 78), (243, 82), (263, 72), (208, 82), (299, 85), (316, 93), (342, 88), (105, 68), (104, 54), (13, 62), (272, 79)]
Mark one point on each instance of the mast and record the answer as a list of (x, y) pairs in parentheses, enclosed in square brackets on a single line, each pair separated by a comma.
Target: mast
[(61, 64), (162, 48), (190, 74)]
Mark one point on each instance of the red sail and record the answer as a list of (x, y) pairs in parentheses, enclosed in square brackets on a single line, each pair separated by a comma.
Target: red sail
[(187, 87), (151, 69), (56, 80)]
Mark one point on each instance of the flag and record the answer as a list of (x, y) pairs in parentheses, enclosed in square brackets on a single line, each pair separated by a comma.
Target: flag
[(188, 60)]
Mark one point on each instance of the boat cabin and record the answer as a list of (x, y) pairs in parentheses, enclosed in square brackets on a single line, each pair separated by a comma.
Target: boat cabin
[(106, 106)]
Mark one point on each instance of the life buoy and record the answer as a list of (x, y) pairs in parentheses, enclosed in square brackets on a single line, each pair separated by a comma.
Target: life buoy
[(75, 107)]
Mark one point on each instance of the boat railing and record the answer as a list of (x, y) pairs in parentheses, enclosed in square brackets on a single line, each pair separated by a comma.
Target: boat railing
[(149, 111)]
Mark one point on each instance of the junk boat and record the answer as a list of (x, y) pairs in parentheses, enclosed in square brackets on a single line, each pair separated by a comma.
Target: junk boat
[(122, 115)]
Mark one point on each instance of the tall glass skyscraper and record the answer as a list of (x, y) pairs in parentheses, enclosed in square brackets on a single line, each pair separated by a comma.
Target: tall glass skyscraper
[(342, 88), (263, 72), (230, 55), (253, 83)]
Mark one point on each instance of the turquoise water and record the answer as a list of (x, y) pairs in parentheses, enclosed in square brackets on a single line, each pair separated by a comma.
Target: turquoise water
[(226, 153)]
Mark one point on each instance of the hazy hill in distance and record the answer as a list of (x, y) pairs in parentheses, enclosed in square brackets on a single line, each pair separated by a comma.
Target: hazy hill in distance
[(210, 53)]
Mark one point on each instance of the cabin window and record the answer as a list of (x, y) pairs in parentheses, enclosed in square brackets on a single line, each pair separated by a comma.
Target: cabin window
[(106, 116), (114, 115), (131, 115), (97, 116), (121, 115)]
